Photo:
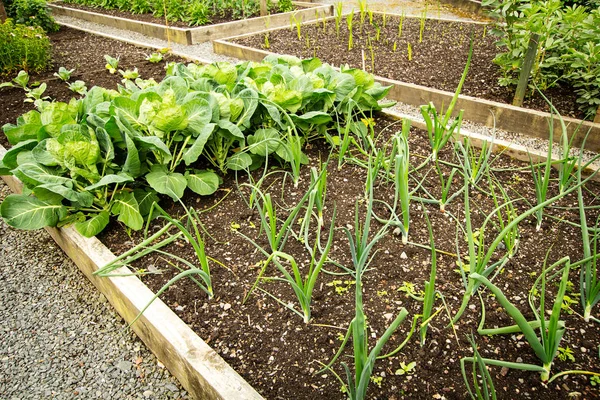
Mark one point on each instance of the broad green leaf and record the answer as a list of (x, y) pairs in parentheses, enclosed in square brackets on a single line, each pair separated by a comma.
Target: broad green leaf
[(132, 165), (202, 182), (126, 207), (199, 114), (127, 109), (172, 184), (10, 158), (27, 212), (197, 147), (239, 161), (35, 174), (83, 199), (145, 199), (94, 225), (155, 144), (110, 179), (313, 117), (264, 141), (232, 128), (176, 84), (310, 64)]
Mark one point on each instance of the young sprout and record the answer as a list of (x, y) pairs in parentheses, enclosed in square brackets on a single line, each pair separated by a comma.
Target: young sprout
[(384, 18), (78, 87), (377, 32), (362, 5), (349, 19), (395, 46), (154, 58), (422, 25), (400, 24), (298, 23), (129, 74), (64, 74), (338, 16), (370, 12), (267, 45), (111, 63), (409, 52)]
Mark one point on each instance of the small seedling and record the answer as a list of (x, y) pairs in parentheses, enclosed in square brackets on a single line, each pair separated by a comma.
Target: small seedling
[(406, 369), (111, 63), (565, 353), (78, 87), (154, 58), (130, 74), (409, 52), (64, 74), (378, 380)]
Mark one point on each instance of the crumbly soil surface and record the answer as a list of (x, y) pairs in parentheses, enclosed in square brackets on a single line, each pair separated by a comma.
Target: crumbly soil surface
[(437, 61), (275, 350), (83, 52), (217, 18), (279, 355)]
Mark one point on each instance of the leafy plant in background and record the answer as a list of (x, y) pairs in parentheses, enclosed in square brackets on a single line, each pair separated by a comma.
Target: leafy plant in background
[(78, 87), (33, 91), (569, 45), (23, 47), (34, 13)]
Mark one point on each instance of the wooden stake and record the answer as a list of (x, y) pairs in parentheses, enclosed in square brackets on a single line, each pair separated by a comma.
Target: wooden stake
[(3, 15), (263, 8), (526, 69)]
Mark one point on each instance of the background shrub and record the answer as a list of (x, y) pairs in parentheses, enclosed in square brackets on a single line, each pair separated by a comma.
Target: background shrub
[(33, 13), (23, 47)]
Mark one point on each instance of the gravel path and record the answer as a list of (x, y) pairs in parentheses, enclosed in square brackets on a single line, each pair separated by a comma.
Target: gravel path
[(60, 338)]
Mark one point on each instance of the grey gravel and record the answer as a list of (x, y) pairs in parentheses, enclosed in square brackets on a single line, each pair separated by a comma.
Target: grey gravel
[(60, 338)]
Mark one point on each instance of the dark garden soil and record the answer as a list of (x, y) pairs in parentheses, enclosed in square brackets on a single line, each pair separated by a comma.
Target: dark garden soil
[(85, 53), (273, 349), (217, 18), (437, 61), (278, 354)]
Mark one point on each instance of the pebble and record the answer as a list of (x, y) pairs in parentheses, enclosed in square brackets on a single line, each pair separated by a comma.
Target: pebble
[(60, 336)]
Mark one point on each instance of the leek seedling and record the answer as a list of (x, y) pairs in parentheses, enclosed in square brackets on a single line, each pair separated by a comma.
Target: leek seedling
[(370, 12), (298, 23), (400, 24), (303, 287), (409, 52), (589, 281), (541, 181), (395, 46), (429, 297), (362, 6), (377, 32), (384, 19), (316, 200), (360, 249), (478, 263), (511, 239), (445, 184), (480, 373), (551, 332), (422, 25), (401, 157), (475, 166), (339, 7), (190, 231), (349, 19), (438, 130), (267, 45)]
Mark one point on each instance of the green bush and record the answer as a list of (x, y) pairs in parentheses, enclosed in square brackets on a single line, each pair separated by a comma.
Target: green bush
[(33, 13), (568, 51), (23, 47)]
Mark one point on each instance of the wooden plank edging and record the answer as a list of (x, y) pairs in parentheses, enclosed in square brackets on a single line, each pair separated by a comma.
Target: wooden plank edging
[(308, 12), (486, 112), (199, 369)]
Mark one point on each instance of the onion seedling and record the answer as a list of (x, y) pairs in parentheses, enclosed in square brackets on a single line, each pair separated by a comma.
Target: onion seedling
[(362, 6), (409, 52), (400, 24), (316, 200), (349, 19), (422, 24), (429, 297), (475, 166)]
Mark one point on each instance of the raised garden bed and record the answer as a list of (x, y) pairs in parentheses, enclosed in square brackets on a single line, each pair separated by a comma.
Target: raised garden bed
[(442, 54), (305, 12), (277, 352)]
